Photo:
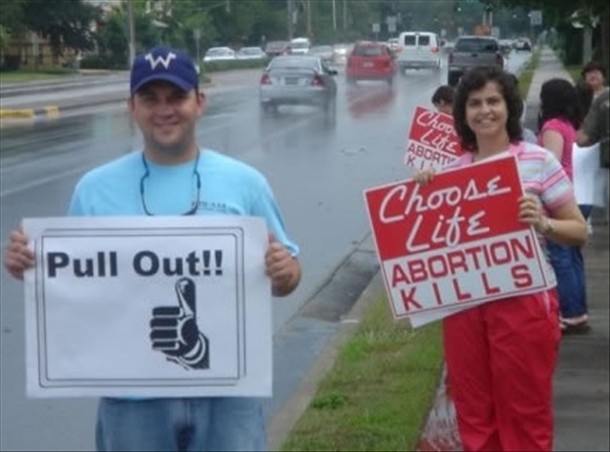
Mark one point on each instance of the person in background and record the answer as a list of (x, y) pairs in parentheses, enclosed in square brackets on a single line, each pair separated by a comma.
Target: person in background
[(584, 91), (528, 134), (595, 128), (560, 117), (594, 75), (173, 175), (501, 355), (442, 99)]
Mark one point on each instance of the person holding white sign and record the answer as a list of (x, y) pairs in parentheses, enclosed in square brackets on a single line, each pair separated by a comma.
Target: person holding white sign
[(501, 355), (173, 176), (560, 116)]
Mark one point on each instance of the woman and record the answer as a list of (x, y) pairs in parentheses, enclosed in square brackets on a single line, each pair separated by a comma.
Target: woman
[(560, 117), (501, 355)]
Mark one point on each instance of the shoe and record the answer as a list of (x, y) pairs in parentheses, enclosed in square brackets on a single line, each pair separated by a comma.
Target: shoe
[(579, 327)]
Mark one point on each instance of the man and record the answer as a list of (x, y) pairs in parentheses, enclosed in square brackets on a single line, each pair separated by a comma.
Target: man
[(173, 176), (595, 129), (594, 74)]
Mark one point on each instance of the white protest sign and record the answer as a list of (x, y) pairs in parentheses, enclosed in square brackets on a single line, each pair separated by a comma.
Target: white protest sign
[(589, 177), (432, 140), (456, 242), (148, 307)]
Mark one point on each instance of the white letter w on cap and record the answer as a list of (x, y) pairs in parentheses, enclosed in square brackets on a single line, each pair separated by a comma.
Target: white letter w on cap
[(160, 60)]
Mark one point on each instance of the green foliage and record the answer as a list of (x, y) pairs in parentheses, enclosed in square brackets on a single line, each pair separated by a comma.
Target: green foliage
[(379, 391), (4, 35), (225, 65), (64, 22), (330, 401), (11, 18)]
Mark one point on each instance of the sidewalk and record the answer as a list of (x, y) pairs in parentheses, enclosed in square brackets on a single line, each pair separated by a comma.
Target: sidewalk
[(581, 381)]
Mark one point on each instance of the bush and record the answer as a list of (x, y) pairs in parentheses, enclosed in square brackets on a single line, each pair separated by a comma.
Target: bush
[(215, 66), (11, 63), (100, 62), (58, 70)]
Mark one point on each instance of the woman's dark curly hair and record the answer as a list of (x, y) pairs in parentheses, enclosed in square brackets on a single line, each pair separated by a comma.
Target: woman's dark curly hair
[(475, 79), (559, 99)]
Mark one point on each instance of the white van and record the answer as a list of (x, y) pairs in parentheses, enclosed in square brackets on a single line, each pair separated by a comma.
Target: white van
[(300, 46), (418, 49)]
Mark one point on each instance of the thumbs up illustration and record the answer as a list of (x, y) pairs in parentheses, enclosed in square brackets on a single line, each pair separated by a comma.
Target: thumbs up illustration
[(174, 329)]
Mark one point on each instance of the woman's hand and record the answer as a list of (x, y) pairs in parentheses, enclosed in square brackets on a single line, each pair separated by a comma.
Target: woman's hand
[(530, 212), (425, 177)]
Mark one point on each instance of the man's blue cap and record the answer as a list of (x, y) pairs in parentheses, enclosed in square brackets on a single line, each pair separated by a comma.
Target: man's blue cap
[(166, 64)]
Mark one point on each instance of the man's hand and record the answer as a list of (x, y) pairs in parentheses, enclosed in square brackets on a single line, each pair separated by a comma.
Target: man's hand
[(174, 329), (18, 257), (283, 269)]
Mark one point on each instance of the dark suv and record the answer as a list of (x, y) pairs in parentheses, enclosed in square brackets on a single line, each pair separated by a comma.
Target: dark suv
[(471, 51)]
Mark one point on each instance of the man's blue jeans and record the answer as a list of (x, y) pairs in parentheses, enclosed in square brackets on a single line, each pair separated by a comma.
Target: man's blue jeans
[(181, 424), (569, 266)]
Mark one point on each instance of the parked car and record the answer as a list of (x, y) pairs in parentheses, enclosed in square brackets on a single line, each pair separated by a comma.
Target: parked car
[(370, 61), (471, 51), (275, 48), (219, 54), (324, 52), (417, 50), (250, 53), (523, 44), (506, 46), (393, 44), (297, 80)]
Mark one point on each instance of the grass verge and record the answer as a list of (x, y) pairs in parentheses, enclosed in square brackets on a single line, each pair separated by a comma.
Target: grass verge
[(527, 74), (378, 394)]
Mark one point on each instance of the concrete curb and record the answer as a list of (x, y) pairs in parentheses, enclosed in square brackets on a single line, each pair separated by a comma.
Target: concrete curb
[(51, 111), (287, 416)]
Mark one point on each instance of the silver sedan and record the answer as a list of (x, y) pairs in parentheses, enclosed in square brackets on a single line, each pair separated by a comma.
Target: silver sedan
[(297, 80)]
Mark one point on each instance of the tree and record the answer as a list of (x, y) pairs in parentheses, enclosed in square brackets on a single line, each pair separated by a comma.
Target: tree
[(560, 13), (66, 23)]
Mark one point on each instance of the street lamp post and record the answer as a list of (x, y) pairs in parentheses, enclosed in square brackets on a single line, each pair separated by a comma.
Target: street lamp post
[(132, 33)]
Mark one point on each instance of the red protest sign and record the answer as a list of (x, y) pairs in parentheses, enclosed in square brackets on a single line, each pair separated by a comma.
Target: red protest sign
[(455, 241), (432, 140)]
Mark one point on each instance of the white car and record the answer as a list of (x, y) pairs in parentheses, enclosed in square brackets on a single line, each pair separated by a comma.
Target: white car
[(418, 50), (300, 46), (251, 53), (219, 54), (324, 52)]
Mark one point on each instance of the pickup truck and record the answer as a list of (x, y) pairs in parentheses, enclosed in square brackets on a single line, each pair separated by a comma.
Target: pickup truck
[(471, 51)]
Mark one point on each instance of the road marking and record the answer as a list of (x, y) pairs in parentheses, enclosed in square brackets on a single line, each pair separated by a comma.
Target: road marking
[(44, 180)]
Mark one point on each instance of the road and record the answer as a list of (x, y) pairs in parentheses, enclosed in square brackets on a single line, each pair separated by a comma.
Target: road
[(318, 167)]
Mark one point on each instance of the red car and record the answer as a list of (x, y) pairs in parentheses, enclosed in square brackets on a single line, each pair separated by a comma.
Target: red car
[(370, 61)]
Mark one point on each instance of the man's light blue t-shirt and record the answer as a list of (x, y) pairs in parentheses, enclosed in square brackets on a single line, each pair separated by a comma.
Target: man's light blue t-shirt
[(228, 187)]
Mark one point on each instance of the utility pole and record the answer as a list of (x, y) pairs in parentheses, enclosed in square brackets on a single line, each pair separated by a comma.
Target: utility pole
[(132, 33), (334, 16), (289, 22), (344, 15), (308, 6)]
